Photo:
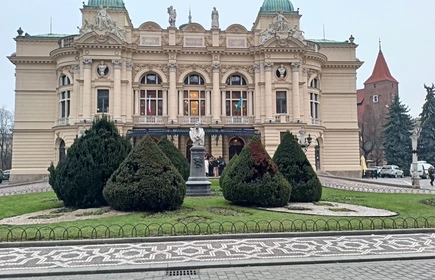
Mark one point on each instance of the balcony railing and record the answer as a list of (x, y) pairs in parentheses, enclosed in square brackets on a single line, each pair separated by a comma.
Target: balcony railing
[(62, 122), (194, 120), (316, 122), (151, 120), (283, 119), (66, 42), (238, 120)]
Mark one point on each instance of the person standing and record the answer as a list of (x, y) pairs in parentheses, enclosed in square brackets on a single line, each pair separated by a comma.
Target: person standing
[(431, 172)]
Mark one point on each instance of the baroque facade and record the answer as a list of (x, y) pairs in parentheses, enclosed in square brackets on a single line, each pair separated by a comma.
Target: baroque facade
[(160, 81)]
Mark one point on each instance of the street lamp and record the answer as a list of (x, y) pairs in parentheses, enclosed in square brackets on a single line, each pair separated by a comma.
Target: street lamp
[(304, 142), (415, 176)]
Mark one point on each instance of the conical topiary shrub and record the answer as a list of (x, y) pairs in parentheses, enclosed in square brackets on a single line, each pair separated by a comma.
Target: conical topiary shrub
[(254, 179), (294, 165), (79, 179), (175, 156), (145, 181), (233, 161)]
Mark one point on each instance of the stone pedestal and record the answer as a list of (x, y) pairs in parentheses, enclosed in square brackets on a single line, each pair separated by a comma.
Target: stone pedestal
[(197, 184)]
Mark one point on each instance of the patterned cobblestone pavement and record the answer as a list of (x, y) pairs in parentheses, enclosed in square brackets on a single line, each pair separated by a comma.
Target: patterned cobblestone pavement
[(403, 270), (86, 256), (360, 186)]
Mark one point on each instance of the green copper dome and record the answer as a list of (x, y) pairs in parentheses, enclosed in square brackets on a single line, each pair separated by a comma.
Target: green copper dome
[(272, 6), (105, 3)]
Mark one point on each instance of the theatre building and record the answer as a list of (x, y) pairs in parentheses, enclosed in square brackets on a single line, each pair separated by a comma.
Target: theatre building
[(161, 80)]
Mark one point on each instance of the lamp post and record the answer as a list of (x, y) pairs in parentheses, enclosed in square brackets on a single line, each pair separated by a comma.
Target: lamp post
[(415, 176), (304, 142)]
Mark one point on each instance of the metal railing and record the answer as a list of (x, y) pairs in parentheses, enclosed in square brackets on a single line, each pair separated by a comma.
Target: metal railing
[(39, 233)]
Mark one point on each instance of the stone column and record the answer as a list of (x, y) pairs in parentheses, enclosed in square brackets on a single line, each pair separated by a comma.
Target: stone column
[(115, 103), (136, 102), (75, 95), (268, 90), (306, 114), (250, 102), (87, 76), (207, 102), (224, 103), (257, 102), (129, 91), (165, 102), (180, 103), (295, 90), (262, 94), (172, 96), (216, 108)]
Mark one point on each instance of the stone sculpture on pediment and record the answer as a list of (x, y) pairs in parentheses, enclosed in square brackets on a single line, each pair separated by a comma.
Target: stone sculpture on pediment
[(104, 25), (165, 40), (281, 30)]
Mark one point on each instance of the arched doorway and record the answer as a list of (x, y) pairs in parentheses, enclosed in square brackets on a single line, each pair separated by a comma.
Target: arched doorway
[(61, 150), (317, 155), (189, 145), (236, 146)]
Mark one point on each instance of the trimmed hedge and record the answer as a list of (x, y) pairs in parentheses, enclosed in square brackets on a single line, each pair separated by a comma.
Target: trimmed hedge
[(233, 160), (294, 165), (145, 181), (253, 179), (175, 156), (80, 178)]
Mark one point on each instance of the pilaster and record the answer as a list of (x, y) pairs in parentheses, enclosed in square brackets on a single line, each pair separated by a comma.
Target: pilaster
[(87, 75), (117, 90), (268, 90), (295, 66)]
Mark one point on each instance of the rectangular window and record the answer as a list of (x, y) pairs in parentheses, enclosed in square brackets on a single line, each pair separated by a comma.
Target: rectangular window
[(236, 103), (315, 106), (151, 103), (281, 102), (103, 101), (194, 103), (64, 104)]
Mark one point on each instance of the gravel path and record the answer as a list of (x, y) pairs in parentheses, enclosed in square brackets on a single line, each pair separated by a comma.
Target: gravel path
[(30, 188)]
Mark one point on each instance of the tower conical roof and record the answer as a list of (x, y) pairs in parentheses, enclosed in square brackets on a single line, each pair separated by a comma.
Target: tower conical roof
[(381, 71)]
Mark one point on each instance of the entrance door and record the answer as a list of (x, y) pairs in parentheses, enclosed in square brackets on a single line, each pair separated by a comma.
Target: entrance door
[(236, 146), (317, 155)]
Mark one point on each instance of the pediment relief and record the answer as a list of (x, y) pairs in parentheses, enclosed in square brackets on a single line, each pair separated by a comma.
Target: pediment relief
[(95, 38), (194, 28), (288, 42), (150, 26), (236, 29)]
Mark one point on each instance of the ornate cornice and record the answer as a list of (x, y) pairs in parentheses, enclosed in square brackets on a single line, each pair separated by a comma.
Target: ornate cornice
[(32, 60)]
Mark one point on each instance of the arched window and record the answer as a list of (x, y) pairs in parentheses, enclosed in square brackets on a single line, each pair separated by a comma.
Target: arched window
[(62, 150), (236, 80), (64, 81), (194, 79), (315, 83), (151, 95), (236, 96), (194, 96), (151, 79)]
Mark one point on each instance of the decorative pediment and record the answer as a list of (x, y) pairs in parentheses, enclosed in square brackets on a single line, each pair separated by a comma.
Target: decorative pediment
[(95, 38), (236, 29), (104, 24), (288, 42), (150, 26), (194, 28)]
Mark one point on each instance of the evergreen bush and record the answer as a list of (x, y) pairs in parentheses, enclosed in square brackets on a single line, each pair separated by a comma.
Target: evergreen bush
[(80, 178), (175, 156), (294, 165), (233, 161), (145, 181), (253, 179)]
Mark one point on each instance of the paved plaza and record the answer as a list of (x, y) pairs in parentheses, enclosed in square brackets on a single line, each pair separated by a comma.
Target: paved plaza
[(225, 252), (389, 270)]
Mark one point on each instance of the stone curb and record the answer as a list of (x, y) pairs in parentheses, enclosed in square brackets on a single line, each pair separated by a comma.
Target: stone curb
[(23, 184), (212, 265), (370, 182), (212, 237)]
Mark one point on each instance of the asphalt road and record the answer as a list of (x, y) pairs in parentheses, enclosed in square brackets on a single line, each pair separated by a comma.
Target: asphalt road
[(406, 181)]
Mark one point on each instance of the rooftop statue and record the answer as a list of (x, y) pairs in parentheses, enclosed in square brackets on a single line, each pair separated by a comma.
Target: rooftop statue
[(214, 19), (172, 16)]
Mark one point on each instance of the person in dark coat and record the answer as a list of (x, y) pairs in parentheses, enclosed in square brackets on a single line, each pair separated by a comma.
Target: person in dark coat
[(221, 164)]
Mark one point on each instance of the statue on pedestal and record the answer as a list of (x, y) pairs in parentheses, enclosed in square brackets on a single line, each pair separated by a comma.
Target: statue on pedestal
[(172, 16), (214, 19), (197, 135)]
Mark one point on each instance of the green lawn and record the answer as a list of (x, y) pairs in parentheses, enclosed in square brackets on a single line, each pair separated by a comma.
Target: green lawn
[(215, 215)]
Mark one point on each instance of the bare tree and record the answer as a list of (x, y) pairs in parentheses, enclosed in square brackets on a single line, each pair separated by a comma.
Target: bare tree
[(6, 134), (371, 129)]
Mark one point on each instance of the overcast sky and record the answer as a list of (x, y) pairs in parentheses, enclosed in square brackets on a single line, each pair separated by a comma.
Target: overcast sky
[(404, 26)]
